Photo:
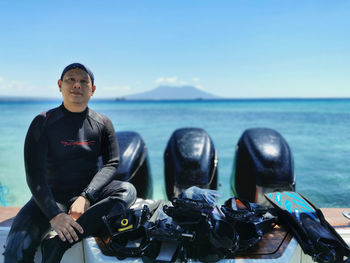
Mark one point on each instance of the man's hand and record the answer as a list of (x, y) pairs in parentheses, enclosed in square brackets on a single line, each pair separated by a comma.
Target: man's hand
[(79, 207), (65, 227)]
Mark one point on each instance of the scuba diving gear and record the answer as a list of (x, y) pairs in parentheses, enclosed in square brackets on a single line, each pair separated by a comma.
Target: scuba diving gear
[(131, 222), (250, 220), (125, 221), (168, 237), (213, 235), (219, 231), (190, 158), (196, 193), (192, 226), (188, 211), (263, 163), (165, 229), (127, 229), (308, 225)]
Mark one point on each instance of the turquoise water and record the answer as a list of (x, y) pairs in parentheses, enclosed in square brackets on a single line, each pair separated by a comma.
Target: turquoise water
[(317, 131)]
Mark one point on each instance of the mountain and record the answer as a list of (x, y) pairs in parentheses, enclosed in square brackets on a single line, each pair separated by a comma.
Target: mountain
[(172, 93)]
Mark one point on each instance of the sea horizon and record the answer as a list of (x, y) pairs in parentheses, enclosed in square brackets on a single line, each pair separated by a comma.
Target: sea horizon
[(121, 99)]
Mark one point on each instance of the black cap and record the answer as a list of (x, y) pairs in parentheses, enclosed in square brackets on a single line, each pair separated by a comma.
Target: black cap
[(80, 66)]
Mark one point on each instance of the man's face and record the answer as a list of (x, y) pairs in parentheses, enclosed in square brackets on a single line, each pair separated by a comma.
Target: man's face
[(76, 87)]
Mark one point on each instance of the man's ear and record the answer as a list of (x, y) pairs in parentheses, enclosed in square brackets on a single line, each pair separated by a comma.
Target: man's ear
[(93, 90), (59, 83)]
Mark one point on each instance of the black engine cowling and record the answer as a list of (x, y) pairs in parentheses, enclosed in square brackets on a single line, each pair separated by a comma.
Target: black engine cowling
[(263, 163), (190, 159), (134, 165)]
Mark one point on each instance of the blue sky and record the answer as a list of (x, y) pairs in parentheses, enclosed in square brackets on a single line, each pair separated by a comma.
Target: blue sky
[(234, 49)]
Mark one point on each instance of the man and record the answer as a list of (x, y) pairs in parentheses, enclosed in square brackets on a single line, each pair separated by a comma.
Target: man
[(69, 194)]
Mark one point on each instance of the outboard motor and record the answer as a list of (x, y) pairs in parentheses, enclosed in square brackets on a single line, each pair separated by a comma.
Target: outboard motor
[(190, 159), (263, 163), (134, 166)]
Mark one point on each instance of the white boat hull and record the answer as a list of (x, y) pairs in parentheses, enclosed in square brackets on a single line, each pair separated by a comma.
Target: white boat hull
[(88, 251)]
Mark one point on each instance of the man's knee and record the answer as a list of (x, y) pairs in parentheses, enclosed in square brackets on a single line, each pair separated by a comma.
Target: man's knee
[(131, 193), (124, 191)]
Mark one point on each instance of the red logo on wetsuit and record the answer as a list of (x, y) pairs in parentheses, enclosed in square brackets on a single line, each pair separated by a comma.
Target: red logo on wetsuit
[(73, 143)]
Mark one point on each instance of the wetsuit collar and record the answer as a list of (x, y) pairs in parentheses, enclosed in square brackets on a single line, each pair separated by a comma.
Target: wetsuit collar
[(65, 111)]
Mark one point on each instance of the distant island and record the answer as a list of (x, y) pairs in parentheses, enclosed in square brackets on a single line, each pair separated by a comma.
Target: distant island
[(171, 93)]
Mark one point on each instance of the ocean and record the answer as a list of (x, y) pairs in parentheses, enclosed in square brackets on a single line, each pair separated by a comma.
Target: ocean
[(317, 131)]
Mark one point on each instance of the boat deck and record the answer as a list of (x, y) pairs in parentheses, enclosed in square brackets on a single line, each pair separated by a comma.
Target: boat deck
[(276, 246)]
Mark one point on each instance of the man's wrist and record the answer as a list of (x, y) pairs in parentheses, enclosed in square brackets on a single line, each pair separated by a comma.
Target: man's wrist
[(90, 194), (84, 196)]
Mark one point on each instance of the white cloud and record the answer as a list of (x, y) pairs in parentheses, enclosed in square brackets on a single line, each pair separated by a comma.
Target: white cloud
[(125, 88), (163, 80), (159, 80), (11, 86), (179, 82), (22, 89)]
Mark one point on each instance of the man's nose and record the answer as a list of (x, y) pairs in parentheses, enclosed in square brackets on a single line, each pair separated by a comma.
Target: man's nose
[(77, 84)]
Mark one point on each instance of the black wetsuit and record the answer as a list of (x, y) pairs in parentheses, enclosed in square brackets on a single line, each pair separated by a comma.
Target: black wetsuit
[(61, 159)]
